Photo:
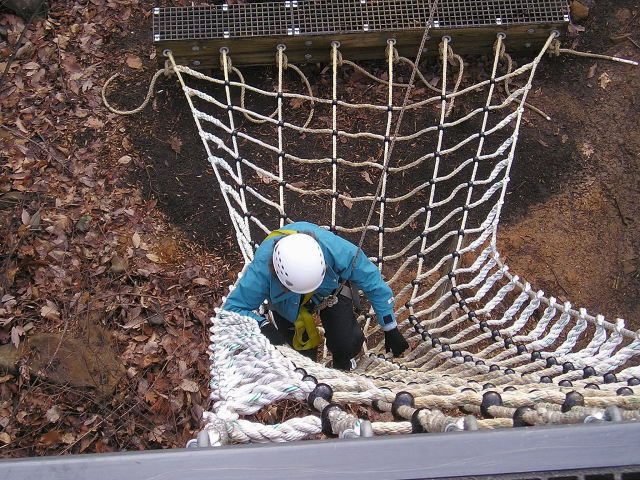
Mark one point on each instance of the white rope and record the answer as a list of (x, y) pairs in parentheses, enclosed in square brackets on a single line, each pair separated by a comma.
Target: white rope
[(469, 321)]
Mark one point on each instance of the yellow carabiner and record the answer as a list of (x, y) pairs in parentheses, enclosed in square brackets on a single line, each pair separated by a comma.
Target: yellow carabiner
[(305, 323)]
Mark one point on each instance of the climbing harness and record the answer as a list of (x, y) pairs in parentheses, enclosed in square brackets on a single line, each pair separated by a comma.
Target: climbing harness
[(305, 324)]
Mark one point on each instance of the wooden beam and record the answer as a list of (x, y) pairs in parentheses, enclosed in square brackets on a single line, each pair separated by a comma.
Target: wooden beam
[(252, 32)]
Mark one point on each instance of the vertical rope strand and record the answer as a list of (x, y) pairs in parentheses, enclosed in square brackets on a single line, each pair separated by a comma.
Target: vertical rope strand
[(281, 178), (483, 127), (386, 153), (334, 125), (227, 89)]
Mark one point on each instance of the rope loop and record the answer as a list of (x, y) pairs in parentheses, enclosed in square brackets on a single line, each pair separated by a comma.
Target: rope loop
[(395, 56), (445, 47), (390, 50), (166, 71), (327, 302), (280, 56)]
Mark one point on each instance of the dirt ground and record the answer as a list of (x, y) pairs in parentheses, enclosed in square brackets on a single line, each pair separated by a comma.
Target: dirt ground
[(571, 224), (117, 221)]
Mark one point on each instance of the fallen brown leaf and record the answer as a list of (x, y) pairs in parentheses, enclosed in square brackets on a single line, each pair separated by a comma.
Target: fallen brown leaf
[(189, 385), (604, 80), (176, 144), (50, 311), (133, 61), (5, 438), (347, 203), (52, 437)]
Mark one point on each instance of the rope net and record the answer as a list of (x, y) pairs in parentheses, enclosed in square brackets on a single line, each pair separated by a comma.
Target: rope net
[(487, 350)]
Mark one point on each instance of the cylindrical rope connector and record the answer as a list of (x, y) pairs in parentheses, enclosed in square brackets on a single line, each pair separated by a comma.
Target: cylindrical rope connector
[(381, 406), (335, 421), (331, 414), (320, 396), (402, 400), (490, 399), (572, 399), (524, 417)]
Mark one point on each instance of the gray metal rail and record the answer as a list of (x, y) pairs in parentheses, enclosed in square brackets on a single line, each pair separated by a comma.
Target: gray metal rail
[(583, 450)]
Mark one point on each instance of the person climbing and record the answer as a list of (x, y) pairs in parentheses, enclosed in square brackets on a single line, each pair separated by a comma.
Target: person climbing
[(299, 269)]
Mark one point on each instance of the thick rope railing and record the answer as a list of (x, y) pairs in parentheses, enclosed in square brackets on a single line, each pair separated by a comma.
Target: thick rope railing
[(417, 406)]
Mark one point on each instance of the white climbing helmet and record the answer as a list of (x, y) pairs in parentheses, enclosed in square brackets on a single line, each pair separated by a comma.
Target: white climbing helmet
[(299, 262)]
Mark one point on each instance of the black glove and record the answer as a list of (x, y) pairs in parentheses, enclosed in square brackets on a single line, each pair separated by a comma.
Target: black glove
[(394, 341), (270, 331)]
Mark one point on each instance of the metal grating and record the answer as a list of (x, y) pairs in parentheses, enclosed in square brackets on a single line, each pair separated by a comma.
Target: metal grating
[(478, 13), (310, 17)]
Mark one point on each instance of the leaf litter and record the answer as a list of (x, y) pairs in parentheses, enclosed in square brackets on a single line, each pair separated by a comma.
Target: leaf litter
[(88, 263)]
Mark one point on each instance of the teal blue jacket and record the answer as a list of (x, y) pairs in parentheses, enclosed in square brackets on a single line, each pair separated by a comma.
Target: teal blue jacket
[(259, 284)]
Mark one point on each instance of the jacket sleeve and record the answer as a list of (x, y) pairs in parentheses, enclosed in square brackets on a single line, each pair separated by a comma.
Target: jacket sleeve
[(251, 290), (366, 276)]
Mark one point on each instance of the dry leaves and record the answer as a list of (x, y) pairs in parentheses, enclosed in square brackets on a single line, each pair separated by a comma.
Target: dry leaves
[(133, 61), (264, 178), (53, 414), (5, 438), (50, 311), (81, 246), (347, 203), (366, 176), (175, 143), (189, 385), (604, 80)]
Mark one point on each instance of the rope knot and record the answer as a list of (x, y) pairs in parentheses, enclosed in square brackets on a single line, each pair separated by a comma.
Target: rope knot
[(338, 59), (499, 48), (282, 59), (225, 61), (393, 53), (554, 48), (168, 69), (442, 51)]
